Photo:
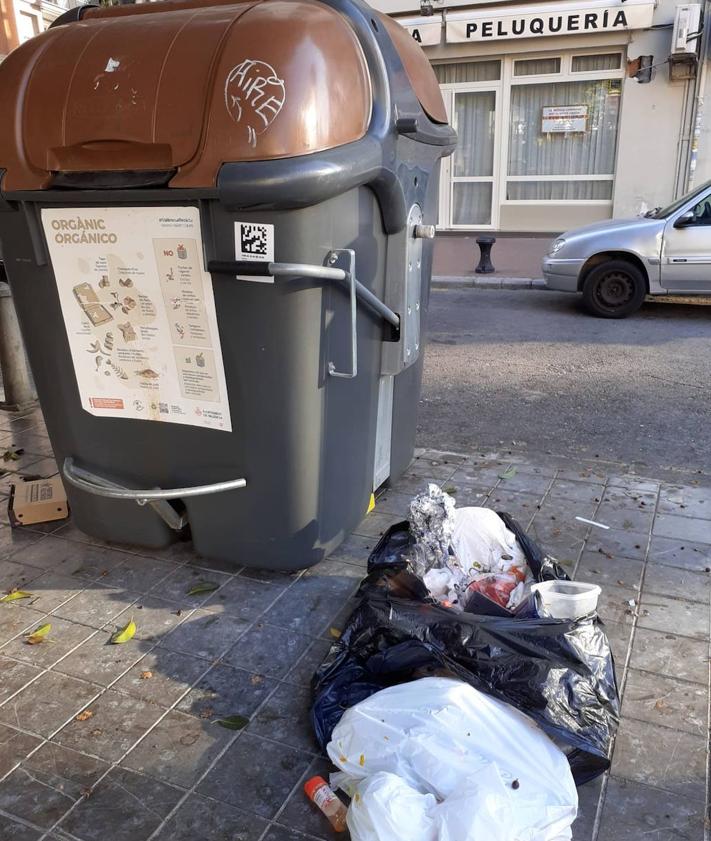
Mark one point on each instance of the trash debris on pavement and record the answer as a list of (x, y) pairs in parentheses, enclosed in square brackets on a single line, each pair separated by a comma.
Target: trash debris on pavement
[(436, 760), (37, 501), (321, 793), (592, 522), (557, 671)]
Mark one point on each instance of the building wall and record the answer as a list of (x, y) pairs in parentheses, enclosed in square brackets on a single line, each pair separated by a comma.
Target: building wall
[(654, 129)]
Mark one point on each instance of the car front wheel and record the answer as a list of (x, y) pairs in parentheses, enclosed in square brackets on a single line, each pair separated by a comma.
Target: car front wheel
[(614, 289)]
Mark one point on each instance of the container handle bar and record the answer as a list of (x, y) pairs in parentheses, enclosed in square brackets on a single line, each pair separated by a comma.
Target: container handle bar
[(287, 270), (157, 498)]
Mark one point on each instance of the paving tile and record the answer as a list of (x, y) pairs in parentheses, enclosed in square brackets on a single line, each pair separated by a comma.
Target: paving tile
[(393, 503), (524, 481), (138, 574), (680, 553), (14, 747), (331, 630), (626, 498), (582, 473), (662, 757), (375, 524), (617, 543), (47, 703), (96, 605), (98, 661), (411, 484), (620, 572), (468, 496), (431, 468), (15, 619), (588, 797), (689, 619), (618, 635), (285, 718), (267, 772), (686, 501), (300, 813), (209, 820), (154, 618), (11, 830), (67, 557), (267, 650), (61, 639), (161, 676), (15, 541), (225, 691), (613, 607), (667, 701), (15, 675), (53, 589), (304, 670), (633, 483), (678, 583), (466, 474), (670, 655), (245, 598), (521, 506), (48, 783), (17, 575), (131, 805), (179, 749), (554, 516), (628, 519), (282, 577), (282, 833), (315, 598), (207, 632), (634, 811), (178, 584), (575, 491), (682, 528), (116, 724)]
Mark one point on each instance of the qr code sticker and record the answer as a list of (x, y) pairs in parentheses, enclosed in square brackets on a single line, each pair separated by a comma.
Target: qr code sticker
[(254, 241)]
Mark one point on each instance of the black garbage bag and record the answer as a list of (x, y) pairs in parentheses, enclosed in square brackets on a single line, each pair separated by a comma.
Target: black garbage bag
[(559, 672)]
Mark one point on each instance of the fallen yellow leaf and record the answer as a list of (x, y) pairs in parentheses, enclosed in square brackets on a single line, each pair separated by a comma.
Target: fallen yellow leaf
[(146, 675), (124, 634), (83, 716)]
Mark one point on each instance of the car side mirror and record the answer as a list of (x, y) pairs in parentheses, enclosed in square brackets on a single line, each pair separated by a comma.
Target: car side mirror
[(685, 219)]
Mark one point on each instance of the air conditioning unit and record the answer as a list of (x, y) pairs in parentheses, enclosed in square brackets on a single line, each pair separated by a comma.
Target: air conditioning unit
[(687, 26)]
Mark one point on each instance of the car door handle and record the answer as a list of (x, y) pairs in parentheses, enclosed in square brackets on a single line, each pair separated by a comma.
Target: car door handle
[(679, 260)]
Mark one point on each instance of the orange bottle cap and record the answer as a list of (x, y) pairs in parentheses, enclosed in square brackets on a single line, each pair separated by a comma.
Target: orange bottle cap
[(313, 785)]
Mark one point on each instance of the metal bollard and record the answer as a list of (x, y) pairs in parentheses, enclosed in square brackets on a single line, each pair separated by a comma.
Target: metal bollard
[(485, 245), (20, 393)]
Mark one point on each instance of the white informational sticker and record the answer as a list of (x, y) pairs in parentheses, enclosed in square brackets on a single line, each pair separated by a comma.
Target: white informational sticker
[(564, 118), (139, 312), (254, 243)]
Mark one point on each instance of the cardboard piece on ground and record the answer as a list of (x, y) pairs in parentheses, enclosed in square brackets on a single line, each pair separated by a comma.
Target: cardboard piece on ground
[(38, 501)]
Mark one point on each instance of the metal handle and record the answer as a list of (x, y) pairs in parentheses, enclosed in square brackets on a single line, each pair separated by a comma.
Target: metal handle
[(286, 270), (87, 481), (347, 255)]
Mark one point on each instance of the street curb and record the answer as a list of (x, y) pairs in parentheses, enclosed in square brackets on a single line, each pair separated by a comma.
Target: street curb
[(482, 282)]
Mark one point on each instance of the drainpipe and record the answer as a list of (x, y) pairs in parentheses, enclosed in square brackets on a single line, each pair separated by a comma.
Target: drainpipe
[(698, 115)]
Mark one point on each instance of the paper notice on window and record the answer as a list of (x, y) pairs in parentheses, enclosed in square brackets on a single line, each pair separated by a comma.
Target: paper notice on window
[(139, 312)]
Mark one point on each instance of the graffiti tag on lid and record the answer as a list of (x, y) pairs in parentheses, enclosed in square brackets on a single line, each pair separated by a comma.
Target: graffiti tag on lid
[(254, 95)]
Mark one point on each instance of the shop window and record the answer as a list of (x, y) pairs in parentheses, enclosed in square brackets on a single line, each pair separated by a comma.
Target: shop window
[(559, 190), (536, 66), (468, 71), (563, 128), (593, 63)]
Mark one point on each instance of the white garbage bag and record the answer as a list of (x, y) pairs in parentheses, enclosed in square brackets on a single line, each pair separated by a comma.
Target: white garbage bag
[(436, 760), (482, 543)]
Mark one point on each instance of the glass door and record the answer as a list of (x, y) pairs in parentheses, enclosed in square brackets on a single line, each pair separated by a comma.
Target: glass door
[(473, 165)]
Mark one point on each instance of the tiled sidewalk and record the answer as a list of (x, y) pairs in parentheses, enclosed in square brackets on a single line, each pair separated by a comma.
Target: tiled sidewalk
[(150, 762)]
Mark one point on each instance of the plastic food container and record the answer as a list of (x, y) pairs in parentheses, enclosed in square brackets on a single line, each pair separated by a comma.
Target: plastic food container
[(566, 599)]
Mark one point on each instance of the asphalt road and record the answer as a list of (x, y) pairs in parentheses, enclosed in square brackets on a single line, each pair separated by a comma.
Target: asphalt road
[(530, 367)]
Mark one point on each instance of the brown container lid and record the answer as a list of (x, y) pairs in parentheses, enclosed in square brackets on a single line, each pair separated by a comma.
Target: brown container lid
[(185, 86)]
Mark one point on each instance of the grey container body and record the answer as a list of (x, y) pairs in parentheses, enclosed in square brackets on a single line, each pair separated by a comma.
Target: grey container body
[(304, 441)]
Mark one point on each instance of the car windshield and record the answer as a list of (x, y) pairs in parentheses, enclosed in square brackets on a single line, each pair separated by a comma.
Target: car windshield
[(664, 212)]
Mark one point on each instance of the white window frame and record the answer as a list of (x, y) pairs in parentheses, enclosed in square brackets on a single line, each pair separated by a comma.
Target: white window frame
[(502, 90), (447, 180)]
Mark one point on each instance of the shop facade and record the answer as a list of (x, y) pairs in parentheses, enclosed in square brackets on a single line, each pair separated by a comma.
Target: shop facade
[(554, 129)]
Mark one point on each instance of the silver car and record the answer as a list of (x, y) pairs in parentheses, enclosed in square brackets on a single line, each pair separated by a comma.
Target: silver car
[(616, 263)]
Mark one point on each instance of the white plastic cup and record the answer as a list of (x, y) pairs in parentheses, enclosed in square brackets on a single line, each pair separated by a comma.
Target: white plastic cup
[(566, 599)]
